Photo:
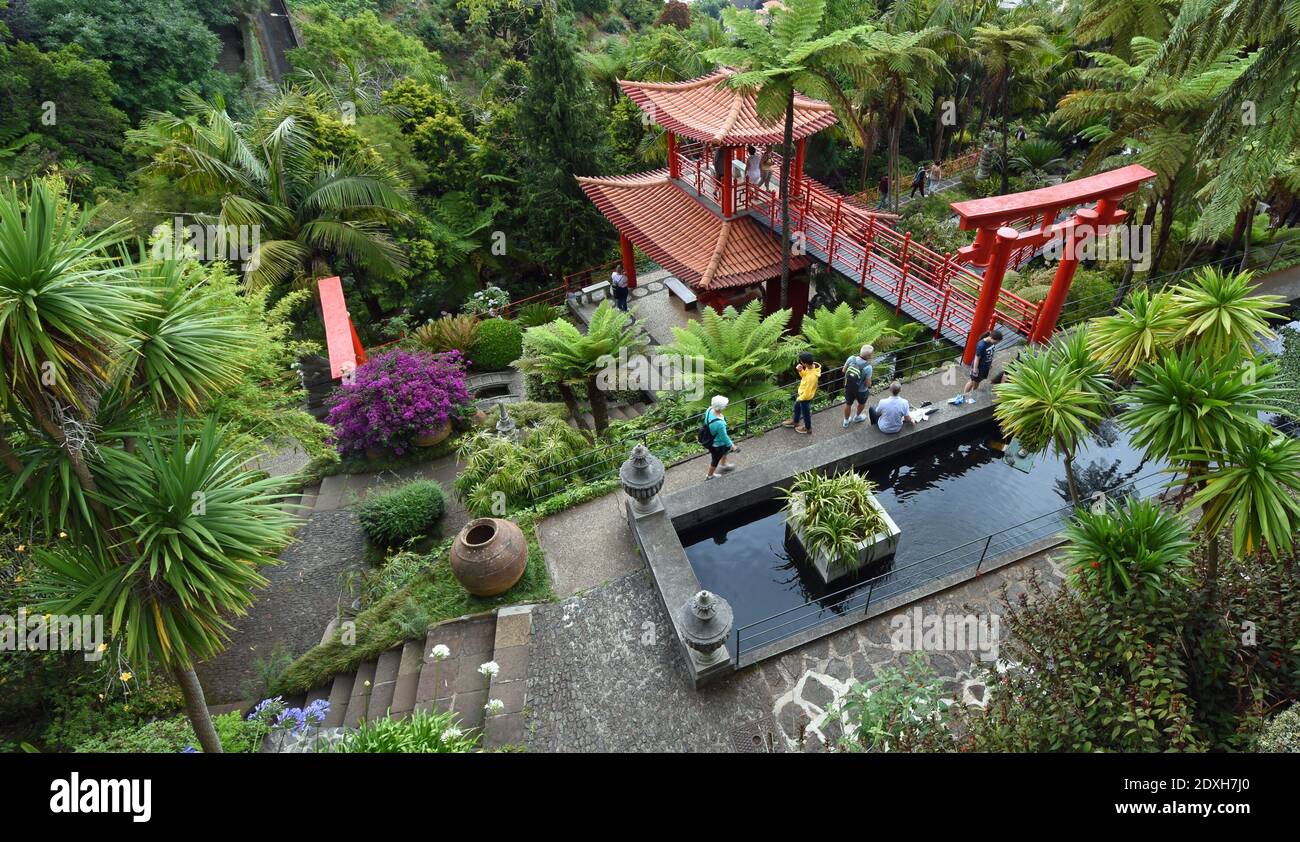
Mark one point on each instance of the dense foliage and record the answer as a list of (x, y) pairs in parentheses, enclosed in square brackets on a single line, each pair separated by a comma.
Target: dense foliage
[(402, 514)]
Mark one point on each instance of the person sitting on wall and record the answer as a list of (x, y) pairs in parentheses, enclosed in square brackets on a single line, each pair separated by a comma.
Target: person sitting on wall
[(892, 412)]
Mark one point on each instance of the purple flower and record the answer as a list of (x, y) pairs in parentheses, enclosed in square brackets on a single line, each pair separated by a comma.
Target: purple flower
[(395, 398)]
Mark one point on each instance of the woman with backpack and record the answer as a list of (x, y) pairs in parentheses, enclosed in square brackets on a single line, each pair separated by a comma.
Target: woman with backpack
[(713, 435)]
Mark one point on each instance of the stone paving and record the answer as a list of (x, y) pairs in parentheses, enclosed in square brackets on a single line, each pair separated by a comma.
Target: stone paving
[(301, 598), (606, 675)]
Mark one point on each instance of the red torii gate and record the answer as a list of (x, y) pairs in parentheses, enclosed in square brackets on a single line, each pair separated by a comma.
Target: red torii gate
[(996, 240)]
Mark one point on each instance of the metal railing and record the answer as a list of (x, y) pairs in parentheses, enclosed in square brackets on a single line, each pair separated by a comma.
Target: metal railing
[(859, 597)]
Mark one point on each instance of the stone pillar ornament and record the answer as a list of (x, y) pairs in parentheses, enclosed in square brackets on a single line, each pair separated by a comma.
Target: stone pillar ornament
[(706, 624), (642, 476), (505, 424)]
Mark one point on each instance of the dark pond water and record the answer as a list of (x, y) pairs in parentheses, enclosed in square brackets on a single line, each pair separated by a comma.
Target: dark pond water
[(947, 499)]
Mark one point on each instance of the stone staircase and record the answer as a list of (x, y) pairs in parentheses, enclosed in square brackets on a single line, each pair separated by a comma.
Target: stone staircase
[(407, 678)]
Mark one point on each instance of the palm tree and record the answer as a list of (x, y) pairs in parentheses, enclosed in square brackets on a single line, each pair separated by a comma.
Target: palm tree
[(161, 533), (1043, 404), (1125, 104), (1221, 314), (1136, 546), (198, 526), (779, 60), (900, 70), (563, 355), (741, 352), (1005, 52), (311, 207)]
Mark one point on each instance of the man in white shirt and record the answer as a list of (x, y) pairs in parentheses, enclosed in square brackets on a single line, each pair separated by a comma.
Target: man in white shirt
[(618, 283), (892, 412)]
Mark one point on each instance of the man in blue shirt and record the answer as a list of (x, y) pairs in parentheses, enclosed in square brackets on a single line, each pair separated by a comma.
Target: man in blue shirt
[(983, 364), (892, 412)]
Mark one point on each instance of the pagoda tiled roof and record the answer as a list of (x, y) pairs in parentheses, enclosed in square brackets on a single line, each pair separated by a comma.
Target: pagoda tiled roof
[(706, 109), (683, 236)]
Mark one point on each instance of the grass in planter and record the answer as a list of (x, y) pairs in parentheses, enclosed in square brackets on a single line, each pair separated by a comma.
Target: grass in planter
[(391, 518), (431, 595)]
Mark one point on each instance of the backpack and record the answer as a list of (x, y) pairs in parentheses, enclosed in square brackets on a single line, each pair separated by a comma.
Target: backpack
[(705, 434)]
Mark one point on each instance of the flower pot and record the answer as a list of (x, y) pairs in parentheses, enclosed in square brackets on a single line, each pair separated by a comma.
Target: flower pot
[(374, 454), (437, 437), (879, 546), (489, 556)]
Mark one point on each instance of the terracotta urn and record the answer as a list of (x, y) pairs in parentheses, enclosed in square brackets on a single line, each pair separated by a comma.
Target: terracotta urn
[(489, 556), (436, 437)]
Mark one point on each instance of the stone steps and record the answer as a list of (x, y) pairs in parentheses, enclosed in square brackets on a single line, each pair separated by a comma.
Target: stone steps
[(406, 678)]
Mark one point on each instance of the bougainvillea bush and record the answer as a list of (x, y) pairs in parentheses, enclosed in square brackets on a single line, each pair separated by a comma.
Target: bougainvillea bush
[(395, 398)]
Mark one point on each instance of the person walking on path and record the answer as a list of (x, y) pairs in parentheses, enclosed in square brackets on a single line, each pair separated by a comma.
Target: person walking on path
[(765, 165), (935, 176), (983, 364), (918, 182), (892, 412), (809, 372), (883, 188), (618, 283), (857, 384), (715, 423)]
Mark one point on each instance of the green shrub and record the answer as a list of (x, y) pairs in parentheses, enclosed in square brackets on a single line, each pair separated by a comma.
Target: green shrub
[(422, 732), (1282, 733), (500, 342), (175, 734), (394, 517), (537, 314)]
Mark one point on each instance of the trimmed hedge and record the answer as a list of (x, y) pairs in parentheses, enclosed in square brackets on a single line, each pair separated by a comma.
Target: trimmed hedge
[(391, 518), (499, 343)]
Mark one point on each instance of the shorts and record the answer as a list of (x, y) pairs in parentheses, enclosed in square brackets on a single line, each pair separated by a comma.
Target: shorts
[(854, 392), (716, 453), (978, 375)]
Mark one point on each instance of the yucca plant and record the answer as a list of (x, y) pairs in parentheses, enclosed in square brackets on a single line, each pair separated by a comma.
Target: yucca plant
[(1137, 333), (741, 352), (449, 333), (1221, 314), (1038, 158), (1186, 403), (1255, 488), (1071, 351), (195, 527), (565, 356), (835, 335), (1135, 546), (834, 514), (1044, 405)]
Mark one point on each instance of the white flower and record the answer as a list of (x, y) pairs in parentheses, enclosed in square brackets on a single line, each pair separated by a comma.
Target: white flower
[(494, 706), (452, 733), (440, 652), (489, 669)]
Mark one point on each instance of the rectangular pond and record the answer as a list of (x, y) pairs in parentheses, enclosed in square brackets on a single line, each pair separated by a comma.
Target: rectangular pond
[(947, 497)]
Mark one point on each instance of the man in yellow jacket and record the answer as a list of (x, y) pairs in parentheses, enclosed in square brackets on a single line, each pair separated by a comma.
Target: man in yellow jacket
[(809, 372)]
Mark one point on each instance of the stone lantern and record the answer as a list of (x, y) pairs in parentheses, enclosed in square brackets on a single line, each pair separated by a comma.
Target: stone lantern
[(642, 476), (505, 424), (705, 625)]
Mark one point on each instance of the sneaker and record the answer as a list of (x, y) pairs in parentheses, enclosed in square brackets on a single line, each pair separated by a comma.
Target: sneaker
[(787, 423), (847, 422), (803, 430), (722, 469), (970, 399), (859, 418), (958, 401), (710, 476)]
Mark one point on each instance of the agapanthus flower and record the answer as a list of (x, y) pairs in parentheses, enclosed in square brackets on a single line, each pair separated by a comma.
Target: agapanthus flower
[(489, 669), (440, 652)]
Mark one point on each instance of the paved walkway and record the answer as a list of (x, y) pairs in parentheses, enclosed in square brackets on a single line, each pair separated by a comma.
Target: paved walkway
[(605, 673), (569, 537)]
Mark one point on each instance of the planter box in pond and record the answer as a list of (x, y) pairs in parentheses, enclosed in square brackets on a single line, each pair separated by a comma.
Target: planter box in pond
[(879, 546)]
